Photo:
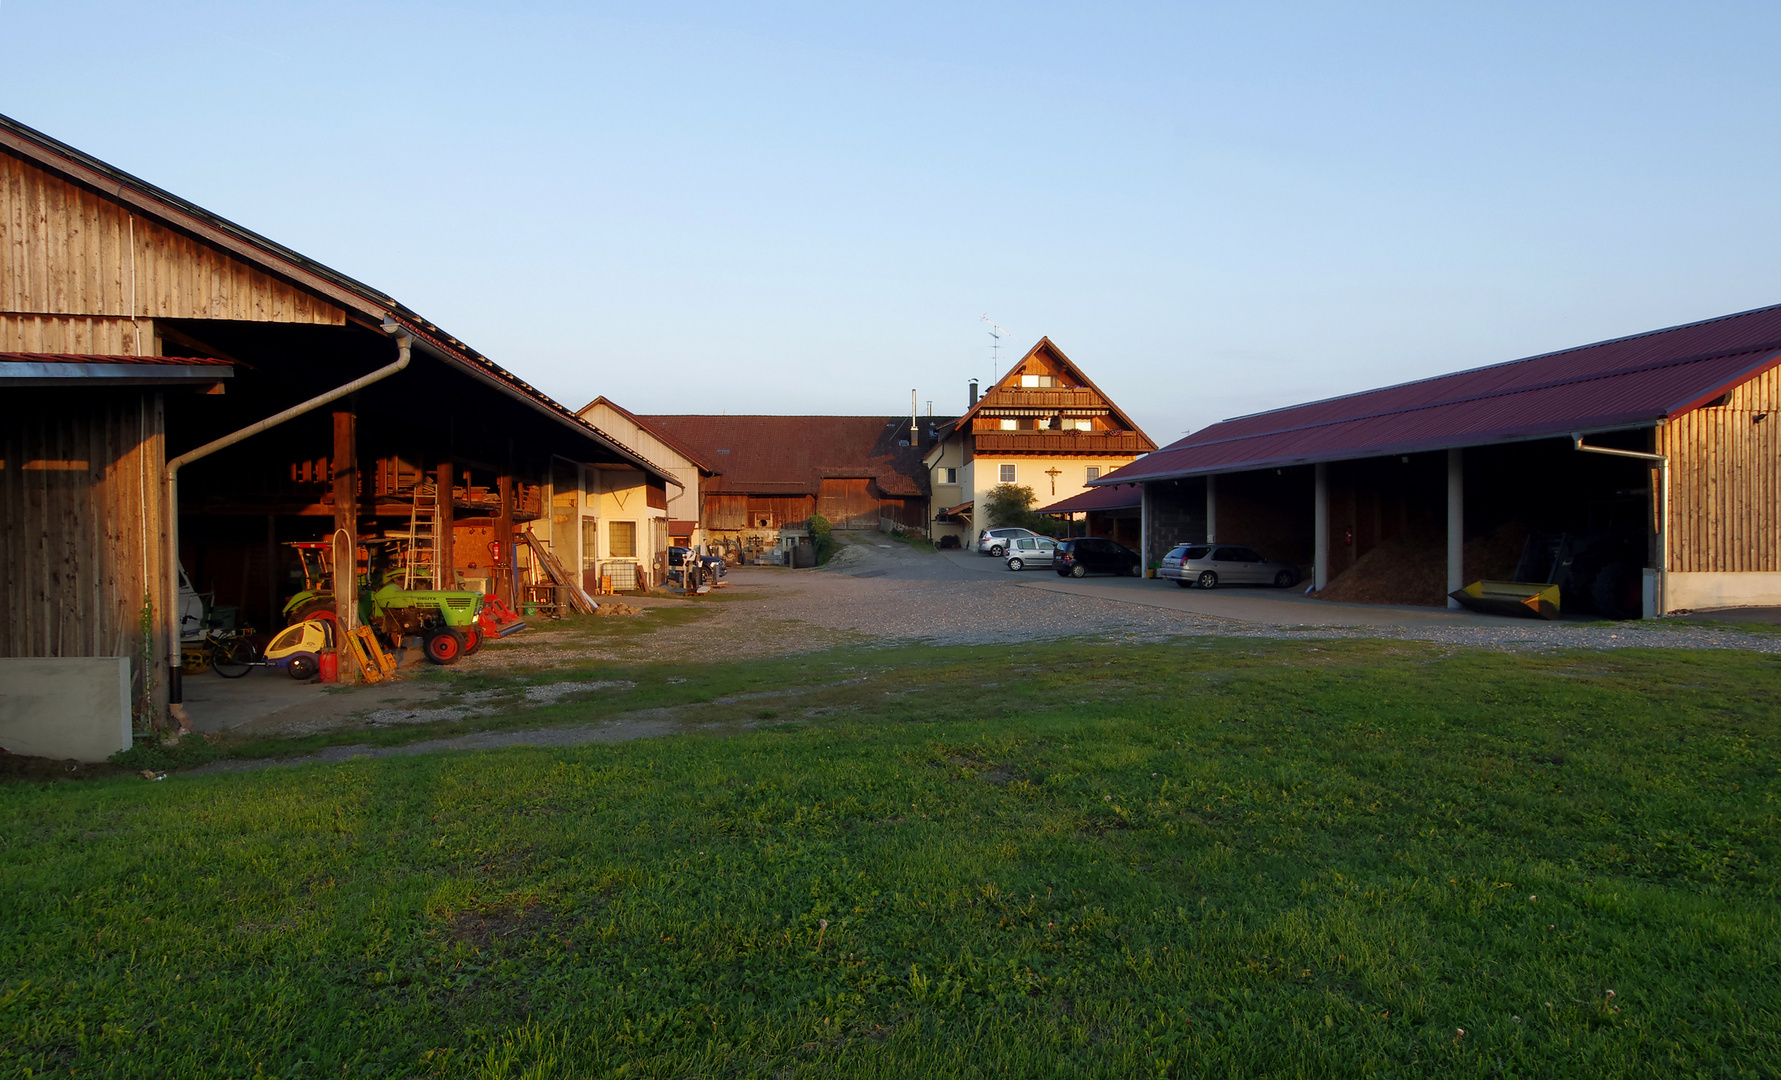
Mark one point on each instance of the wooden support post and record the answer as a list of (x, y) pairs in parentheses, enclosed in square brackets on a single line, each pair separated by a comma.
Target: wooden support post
[(504, 533), (447, 577), (346, 525)]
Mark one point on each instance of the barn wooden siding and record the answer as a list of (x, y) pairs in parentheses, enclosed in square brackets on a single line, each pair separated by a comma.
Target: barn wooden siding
[(67, 251), (1725, 481), (83, 540)]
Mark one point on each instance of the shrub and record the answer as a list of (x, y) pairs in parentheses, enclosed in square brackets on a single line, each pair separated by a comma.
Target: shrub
[(822, 538)]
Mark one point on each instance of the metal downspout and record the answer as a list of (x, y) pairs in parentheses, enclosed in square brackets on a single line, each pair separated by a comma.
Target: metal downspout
[(1663, 520), (170, 498)]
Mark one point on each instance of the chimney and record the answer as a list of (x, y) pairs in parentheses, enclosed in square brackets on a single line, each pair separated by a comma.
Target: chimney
[(973, 400)]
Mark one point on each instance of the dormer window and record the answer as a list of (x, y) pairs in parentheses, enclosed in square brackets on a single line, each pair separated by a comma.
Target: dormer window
[(1036, 382)]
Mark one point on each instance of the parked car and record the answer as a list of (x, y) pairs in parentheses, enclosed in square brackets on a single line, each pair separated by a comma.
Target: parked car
[(995, 541), (1029, 552), (1095, 555), (1209, 565)]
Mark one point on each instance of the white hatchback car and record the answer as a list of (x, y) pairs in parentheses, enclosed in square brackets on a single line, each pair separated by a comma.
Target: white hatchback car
[(996, 541), (1026, 552)]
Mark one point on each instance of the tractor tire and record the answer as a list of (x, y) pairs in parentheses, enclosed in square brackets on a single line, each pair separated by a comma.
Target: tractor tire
[(444, 646), (472, 640), (318, 608)]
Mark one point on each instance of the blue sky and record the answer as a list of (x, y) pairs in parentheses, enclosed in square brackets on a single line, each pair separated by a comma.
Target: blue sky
[(1213, 208)]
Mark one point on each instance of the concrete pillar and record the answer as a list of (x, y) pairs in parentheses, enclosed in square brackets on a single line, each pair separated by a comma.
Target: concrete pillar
[(1456, 523), (1320, 516), (1144, 526), (1211, 509)]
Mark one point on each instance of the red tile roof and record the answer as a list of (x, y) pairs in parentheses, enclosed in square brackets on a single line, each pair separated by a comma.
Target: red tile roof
[(1117, 497), (792, 455), (1626, 382)]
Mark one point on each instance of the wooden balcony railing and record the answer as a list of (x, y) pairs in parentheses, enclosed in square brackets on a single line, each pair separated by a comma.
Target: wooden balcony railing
[(1061, 442)]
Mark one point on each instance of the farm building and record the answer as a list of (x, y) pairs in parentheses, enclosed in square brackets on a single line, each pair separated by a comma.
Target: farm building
[(685, 503), (1044, 426), (770, 473), (1114, 511), (1640, 474), (185, 394)]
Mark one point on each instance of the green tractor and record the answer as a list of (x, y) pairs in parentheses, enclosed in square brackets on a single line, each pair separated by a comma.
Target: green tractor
[(445, 620)]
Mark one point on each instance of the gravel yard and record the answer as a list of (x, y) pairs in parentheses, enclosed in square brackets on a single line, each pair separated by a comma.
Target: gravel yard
[(876, 588)]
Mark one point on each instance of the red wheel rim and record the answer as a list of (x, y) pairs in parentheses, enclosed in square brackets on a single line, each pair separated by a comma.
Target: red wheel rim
[(443, 647)]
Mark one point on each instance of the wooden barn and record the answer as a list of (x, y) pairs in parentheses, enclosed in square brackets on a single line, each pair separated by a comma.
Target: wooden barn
[(188, 394), (770, 473), (1642, 474)]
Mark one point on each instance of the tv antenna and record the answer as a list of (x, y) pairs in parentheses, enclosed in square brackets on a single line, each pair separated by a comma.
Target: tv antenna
[(996, 332)]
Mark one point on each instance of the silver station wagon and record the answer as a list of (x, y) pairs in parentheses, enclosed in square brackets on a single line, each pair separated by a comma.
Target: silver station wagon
[(1027, 552), (1210, 565)]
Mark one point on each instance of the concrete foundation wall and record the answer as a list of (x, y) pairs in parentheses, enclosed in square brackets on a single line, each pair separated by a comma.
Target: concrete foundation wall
[(1705, 591), (65, 706)]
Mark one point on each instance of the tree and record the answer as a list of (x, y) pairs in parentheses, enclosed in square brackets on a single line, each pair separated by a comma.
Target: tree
[(1012, 504), (1009, 504)]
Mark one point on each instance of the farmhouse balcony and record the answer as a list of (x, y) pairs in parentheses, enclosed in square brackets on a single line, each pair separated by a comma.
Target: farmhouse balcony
[(1062, 442)]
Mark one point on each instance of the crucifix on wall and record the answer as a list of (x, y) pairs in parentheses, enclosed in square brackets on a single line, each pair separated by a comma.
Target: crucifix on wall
[(1054, 472)]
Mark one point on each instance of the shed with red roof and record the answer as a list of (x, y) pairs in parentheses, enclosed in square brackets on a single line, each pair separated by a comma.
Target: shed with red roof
[(1655, 452)]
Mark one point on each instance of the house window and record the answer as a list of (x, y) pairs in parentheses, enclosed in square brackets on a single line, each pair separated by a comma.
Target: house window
[(946, 476), (1033, 382), (1085, 425), (1007, 474), (622, 538), (1092, 473), (1011, 425)]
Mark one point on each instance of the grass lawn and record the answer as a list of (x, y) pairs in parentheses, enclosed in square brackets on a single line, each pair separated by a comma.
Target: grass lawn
[(1296, 858)]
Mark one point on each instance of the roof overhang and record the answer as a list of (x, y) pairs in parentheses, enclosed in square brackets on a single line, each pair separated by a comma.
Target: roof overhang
[(97, 372)]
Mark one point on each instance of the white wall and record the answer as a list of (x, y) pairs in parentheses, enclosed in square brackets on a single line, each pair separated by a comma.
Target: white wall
[(65, 706)]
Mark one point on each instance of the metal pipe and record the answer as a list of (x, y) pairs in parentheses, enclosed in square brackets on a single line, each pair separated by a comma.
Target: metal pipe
[(170, 498), (1663, 517)]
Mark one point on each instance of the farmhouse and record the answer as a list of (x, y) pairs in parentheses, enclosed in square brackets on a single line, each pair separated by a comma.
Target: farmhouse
[(1641, 473), (1042, 426), (183, 392)]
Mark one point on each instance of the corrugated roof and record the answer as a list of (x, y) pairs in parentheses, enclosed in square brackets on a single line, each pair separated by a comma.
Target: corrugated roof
[(1626, 382), (1116, 497), (792, 455)]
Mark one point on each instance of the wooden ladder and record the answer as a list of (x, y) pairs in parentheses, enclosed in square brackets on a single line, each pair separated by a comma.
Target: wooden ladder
[(421, 563)]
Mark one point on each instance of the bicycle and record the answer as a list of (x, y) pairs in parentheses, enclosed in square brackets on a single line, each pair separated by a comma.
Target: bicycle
[(231, 652)]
